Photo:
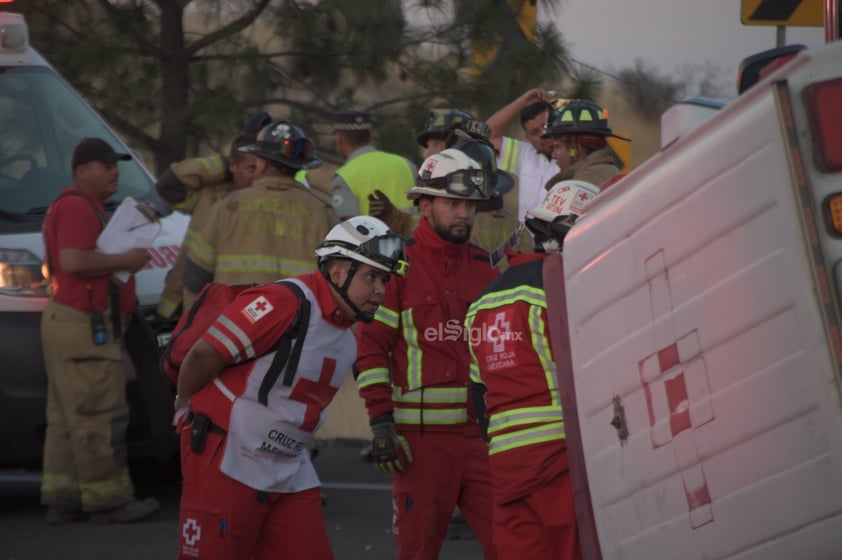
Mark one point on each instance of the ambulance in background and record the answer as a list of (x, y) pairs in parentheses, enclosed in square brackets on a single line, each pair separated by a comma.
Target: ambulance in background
[(698, 333), (41, 120)]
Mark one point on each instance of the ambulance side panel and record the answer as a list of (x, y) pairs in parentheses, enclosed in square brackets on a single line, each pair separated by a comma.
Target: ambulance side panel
[(691, 298)]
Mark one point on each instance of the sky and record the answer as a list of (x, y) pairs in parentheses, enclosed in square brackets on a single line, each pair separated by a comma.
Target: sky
[(666, 34)]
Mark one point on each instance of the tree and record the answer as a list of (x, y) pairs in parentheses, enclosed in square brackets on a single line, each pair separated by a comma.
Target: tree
[(175, 76)]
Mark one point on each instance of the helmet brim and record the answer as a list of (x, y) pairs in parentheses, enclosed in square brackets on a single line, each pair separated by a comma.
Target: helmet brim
[(422, 137), (417, 192), (311, 163), (503, 182), (583, 131)]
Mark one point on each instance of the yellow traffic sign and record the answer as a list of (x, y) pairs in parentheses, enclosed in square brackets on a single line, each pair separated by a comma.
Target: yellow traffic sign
[(804, 13)]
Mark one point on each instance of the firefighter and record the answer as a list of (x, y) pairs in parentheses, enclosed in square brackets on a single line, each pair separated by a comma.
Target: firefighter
[(263, 232), (250, 490), (192, 186), (85, 470), (516, 393), (578, 131), (413, 360)]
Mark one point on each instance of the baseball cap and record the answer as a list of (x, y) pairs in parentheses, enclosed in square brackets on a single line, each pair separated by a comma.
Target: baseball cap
[(96, 149)]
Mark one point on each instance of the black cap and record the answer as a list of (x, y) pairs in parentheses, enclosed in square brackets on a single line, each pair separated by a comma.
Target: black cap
[(96, 149), (345, 121)]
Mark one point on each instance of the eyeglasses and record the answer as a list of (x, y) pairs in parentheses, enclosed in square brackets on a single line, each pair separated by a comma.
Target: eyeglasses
[(463, 182)]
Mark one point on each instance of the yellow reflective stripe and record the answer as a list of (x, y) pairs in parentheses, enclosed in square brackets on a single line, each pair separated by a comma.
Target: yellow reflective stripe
[(58, 482), (99, 491), (474, 372), (432, 395), (215, 168), (203, 254), (386, 316), (510, 157), (430, 416), (372, 376), (413, 352), (166, 306), (542, 348), (529, 436), (263, 263), (527, 294), (520, 416)]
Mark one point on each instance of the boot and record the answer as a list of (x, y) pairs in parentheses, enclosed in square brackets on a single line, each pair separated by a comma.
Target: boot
[(132, 511)]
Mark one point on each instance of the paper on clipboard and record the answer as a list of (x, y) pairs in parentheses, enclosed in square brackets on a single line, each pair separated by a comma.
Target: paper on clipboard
[(131, 226)]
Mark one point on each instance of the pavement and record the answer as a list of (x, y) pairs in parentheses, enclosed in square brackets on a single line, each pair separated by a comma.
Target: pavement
[(358, 515)]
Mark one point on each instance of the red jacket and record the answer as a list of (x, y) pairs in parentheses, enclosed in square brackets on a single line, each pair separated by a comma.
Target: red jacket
[(413, 359), (514, 361)]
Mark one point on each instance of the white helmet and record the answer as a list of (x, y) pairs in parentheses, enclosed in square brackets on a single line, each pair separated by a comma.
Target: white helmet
[(367, 240), (553, 218), (563, 199), (451, 173)]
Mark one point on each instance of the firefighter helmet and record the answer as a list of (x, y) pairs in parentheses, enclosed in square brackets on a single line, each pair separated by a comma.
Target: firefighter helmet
[(284, 142), (441, 124), (468, 169), (578, 117)]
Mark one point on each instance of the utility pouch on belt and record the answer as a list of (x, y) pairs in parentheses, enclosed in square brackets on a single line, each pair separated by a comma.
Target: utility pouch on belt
[(199, 431)]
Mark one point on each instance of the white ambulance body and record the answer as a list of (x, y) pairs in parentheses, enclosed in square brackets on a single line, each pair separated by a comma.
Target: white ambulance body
[(41, 120), (702, 296)]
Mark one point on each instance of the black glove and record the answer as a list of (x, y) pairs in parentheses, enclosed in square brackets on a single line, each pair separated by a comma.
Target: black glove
[(380, 206), (389, 450)]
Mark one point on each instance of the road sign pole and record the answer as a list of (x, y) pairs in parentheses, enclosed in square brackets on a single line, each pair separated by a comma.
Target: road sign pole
[(780, 35)]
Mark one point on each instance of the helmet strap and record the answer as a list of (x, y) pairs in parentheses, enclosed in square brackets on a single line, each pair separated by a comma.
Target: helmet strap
[(359, 315)]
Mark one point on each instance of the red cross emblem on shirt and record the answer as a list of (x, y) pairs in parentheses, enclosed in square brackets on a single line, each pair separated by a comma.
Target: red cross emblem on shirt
[(315, 394)]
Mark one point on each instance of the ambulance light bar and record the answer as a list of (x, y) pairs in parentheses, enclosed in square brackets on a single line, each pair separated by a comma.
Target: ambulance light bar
[(13, 33)]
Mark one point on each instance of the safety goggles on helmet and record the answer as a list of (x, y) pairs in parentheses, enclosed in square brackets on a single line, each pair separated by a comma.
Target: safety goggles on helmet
[(386, 250), (463, 182)]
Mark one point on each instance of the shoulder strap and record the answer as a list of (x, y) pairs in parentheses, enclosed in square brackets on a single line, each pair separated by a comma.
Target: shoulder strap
[(102, 220), (287, 353)]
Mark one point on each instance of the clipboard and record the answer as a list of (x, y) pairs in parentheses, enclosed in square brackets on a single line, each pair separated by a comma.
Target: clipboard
[(133, 225)]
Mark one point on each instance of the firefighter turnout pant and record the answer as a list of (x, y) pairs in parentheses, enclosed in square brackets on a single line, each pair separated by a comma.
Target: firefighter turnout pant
[(85, 463)]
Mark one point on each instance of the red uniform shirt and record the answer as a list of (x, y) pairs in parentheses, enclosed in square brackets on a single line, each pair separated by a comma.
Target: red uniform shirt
[(74, 221), (256, 337)]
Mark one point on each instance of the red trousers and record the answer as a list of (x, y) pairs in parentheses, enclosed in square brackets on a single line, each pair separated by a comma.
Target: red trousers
[(539, 526), (222, 519), (448, 469)]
